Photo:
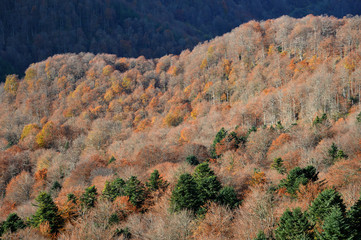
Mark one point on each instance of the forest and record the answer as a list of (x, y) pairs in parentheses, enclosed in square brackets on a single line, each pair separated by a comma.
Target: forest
[(31, 31), (255, 134)]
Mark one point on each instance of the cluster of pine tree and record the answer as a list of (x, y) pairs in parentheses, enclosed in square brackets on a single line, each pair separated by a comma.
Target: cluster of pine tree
[(325, 219)]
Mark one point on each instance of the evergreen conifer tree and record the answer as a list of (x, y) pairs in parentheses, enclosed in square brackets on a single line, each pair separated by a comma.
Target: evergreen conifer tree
[(156, 182), (135, 190), (261, 236), (278, 165), (47, 212), (299, 176), (354, 216), (13, 223), (185, 194), (335, 226), (89, 198), (114, 189), (323, 204), (294, 225), (192, 160), (228, 196), (208, 184), (218, 138)]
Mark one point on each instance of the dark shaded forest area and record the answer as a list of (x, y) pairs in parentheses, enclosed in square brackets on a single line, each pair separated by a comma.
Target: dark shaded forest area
[(31, 31)]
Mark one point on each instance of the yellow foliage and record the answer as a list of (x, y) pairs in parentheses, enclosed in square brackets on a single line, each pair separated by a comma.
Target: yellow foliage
[(172, 70), (313, 62), (187, 89), (207, 86), (210, 50), (224, 97), (28, 129), (11, 84), (91, 74), (107, 70), (46, 136), (109, 95), (30, 74), (144, 124), (95, 110), (227, 67), (126, 82), (42, 163), (144, 97), (61, 83), (258, 178), (116, 87), (350, 64), (173, 119), (194, 113), (204, 64), (270, 50)]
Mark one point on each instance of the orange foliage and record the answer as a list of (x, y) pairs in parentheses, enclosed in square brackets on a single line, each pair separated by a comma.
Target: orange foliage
[(173, 70), (278, 142), (258, 178), (227, 67), (143, 125), (307, 193), (122, 203), (40, 181)]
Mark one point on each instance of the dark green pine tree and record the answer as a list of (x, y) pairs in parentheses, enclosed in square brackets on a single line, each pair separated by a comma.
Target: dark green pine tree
[(47, 212), (334, 154), (228, 196), (192, 160), (1, 228), (56, 186), (323, 204), (202, 171), (278, 165), (135, 190), (89, 198), (219, 137), (358, 117), (112, 159), (13, 223), (354, 216), (71, 198), (208, 188), (294, 225), (261, 236), (185, 194), (299, 176), (114, 189), (156, 182), (208, 184), (113, 219), (335, 226)]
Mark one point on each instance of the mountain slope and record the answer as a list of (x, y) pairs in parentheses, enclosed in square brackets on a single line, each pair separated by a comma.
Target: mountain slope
[(285, 88)]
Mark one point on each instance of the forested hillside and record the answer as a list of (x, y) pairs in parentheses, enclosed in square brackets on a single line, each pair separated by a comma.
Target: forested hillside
[(31, 31), (252, 135)]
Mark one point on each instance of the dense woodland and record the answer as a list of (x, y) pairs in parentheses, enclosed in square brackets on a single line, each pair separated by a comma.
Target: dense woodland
[(252, 135), (31, 31)]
